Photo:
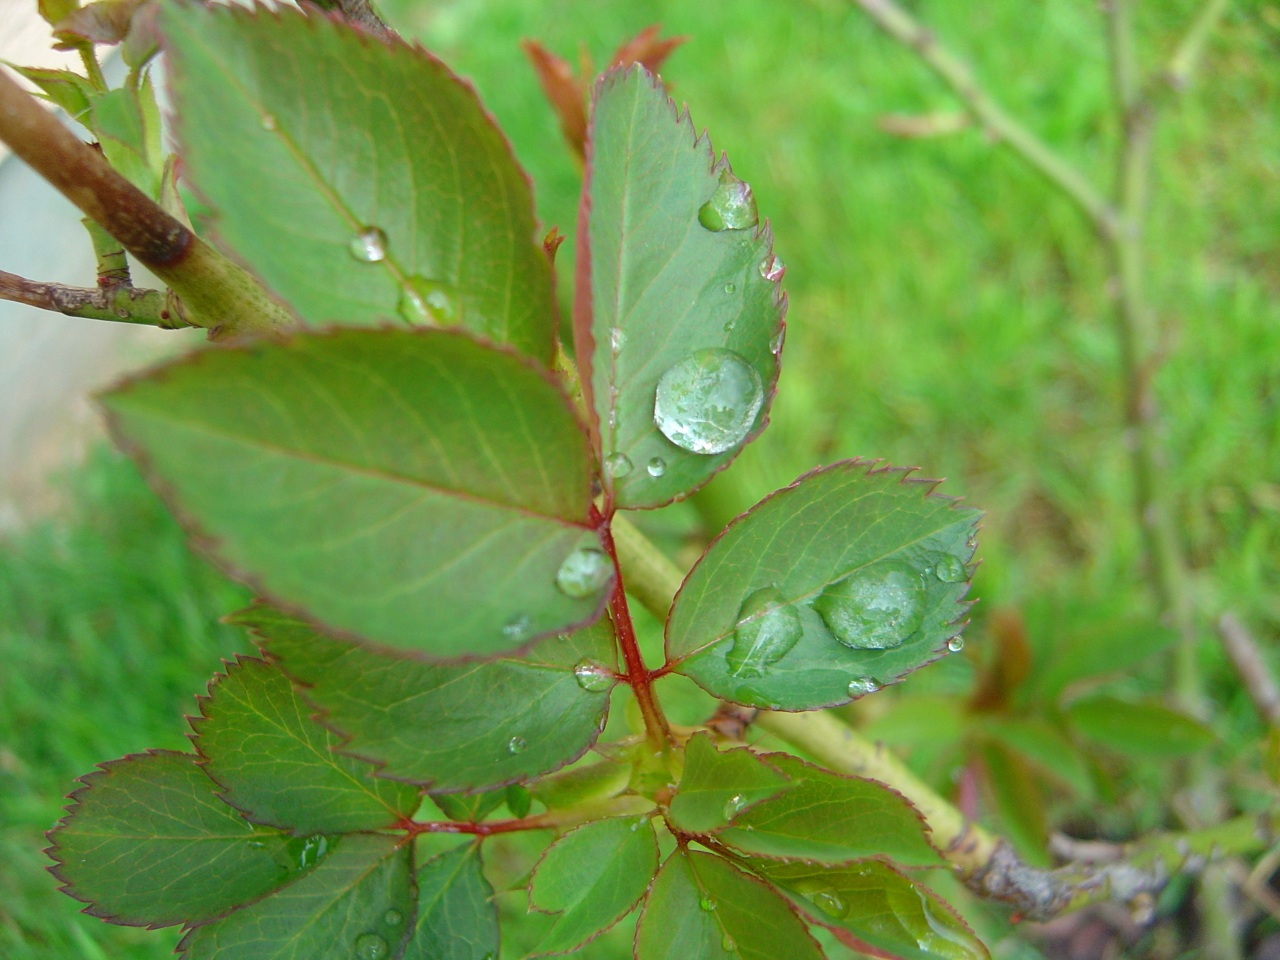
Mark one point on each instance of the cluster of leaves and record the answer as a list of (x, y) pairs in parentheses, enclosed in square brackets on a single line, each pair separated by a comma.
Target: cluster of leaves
[(425, 507)]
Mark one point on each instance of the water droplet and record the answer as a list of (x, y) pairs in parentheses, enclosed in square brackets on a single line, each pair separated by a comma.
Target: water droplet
[(707, 402), (517, 745), (392, 918), (829, 902), (592, 675), (268, 122), (617, 339), (955, 644), (861, 686), (950, 569), (727, 943), (876, 608), (656, 467), (775, 345), (768, 627), (370, 946), (772, 268), (369, 245), (584, 572), (707, 904), (428, 301), (730, 287), (731, 207), (302, 853), (733, 806), (517, 629), (617, 465)]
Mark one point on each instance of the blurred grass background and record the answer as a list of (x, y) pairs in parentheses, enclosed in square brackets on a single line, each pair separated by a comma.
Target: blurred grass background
[(947, 310)]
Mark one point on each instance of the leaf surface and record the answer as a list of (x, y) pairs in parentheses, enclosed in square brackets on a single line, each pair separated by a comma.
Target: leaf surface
[(278, 765), (655, 286), (590, 878), (1140, 729), (147, 842), (305, 135), (862, 538), (717, 785), (457, 919), (701, 907), (411, 487), (449, 725)]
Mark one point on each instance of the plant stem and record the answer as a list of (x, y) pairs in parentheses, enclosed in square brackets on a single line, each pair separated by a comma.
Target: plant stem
[(112, 263), (1252, 668), (118, 302), (624, 806)]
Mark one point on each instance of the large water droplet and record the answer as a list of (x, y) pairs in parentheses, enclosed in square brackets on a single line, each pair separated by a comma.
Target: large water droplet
[(517, 629), (617, 465), (955, 644), (950, 569), (302, 853), (767, 629), (429, 302), (707, 402), (369, 245), (707, 904), (772, 268), (392, 918), (861, 686), (876, 608), (656, 467), (517, 745), (731, 207), (584, 572), (592, 675), (370, 946), (733, 806)]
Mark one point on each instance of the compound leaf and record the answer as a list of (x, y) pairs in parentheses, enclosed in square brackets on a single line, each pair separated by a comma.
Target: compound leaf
[(358, 177), (278, 766), (678, 306), (453, 726), (415, 488), (147, 842), (701, 907), (457, 919), (825, 590), (1142, 729), (717, 785), (590, 878)]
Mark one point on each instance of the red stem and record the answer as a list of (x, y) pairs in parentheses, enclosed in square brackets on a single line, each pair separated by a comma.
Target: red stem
[(415, 827)]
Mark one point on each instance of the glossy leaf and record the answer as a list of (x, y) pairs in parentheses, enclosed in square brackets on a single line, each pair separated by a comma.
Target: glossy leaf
[(343, 908), (590, 878), (655, 286), (451, 726), (278, 766), (457, 919), (838, 529), (147, 842), (829, 818), (67, 89), (1144, 729), (414, 488), (1052, 753), (304, 135), (880, 906), (701, 907), (718, 785)]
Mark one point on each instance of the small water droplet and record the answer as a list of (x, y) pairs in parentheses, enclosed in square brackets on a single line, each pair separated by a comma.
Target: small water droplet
[(730, 287), (517, 629), (707, 904), (617, 465), (428, 301), (950, 569), (392, 918), (707, 402), (730, 324), (768, 627), (876, 608), (955, 644), (617, 339), (584, 572), (731, 207), (257, 844), (772, 268), (306, 852), (861, 686), (369, 245), (775, 345), (727, 943), (733, 806), (656, 467), (592, 675), (268, 122), (370, 946), (829, 902), (517, 745), (972, 543)]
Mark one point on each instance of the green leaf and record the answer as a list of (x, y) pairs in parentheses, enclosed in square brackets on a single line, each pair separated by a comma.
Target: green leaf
[(452, 726), (411, 487), (718, 785), (1052, 753), (117, 121), (701, 907), (1018, 798), (147, 842), (357, 902), (1145, 729), (878, 905), (65, 88), (849, 550), (278, 766), (1100, 647), (304, 135), (655, 287), (829, 818), (457, 919), (470, 807), (590, 878)]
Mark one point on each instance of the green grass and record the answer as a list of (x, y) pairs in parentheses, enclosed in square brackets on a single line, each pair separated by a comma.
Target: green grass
[(947, 310)]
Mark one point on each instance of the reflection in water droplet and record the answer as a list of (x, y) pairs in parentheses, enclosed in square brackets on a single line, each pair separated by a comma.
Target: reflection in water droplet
[(617, 465), (268, 122), (656, 467), (707, 904), (876, 608), (583, 573), (707, 402), (733, 806), (517, 745), (392, 918), (940, 936), (617, 339), (767, 629), (772, 268), (730, 287), (775, 345), (302, 853), (429, 302), (370, 946), (592, 675), (861, 686), (517, 629), (955, 644), (950, 569), (369, 245), (731, 207)]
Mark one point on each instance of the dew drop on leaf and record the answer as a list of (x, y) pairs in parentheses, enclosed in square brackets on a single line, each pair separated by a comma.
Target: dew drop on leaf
[(733, 806), (268, 122), (950, 570), (517, 745), (730, 287), (429, 302), (731, 207), (775, 345), (370, 946), (517, 629), (707, 402), (829, 902), (727, 943), (772, 268), (617, 339), (302, 853), (707, 904), (617, 465), (392, 918), (656, 467), (876, 608), (861, 686), (592, 675), (369, 245), (583, 573), (955, 644), (767, 629)]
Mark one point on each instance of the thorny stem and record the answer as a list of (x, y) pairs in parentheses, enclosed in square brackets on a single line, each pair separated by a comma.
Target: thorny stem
[(118, 302)]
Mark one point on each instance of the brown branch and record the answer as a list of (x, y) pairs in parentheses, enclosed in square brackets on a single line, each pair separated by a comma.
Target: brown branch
[(119, 302), (1252, 667)]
